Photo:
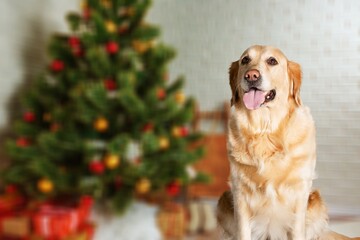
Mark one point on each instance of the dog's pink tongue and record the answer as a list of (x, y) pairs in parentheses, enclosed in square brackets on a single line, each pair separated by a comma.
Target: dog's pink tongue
[(253, 99)]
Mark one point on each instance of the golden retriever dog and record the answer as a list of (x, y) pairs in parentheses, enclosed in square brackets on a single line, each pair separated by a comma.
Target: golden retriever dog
[(272, 154)]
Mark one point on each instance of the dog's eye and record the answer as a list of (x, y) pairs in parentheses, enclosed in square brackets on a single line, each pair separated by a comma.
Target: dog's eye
[(272, 61), (245, 60)]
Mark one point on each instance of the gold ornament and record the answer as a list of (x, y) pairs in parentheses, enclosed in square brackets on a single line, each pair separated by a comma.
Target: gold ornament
[(110, 26), (143, 186), (105, 3), (164, 143), (176, 131), (84, 4), (180, 97), (101, 124), (140, 46), (45, 185), (112, 161)]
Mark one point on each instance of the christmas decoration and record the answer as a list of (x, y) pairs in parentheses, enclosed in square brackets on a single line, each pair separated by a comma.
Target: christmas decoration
[(110, 26), (143, 186), (86, 13), (112, 47), (180, 97), (172, 221), (148, 127), (45, 185), (57, 65), (11, 189), (140, 46), (29, 117), (15, 226), (160, 93), (22, 142), (11, 202), (112, 161), (106, 3), (164, 143), (173, 188), (180, 131), (101, 124), (54, 221), (74, 42), (99, 118), (110, 84), (97, 167)]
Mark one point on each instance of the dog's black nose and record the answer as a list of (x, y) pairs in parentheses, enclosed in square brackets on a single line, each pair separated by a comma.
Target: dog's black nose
[(252, 75)]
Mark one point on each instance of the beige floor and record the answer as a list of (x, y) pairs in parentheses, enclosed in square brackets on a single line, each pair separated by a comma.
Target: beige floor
[(348, 228)]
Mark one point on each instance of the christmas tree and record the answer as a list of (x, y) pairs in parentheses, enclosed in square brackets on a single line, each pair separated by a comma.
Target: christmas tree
[(103, 118)]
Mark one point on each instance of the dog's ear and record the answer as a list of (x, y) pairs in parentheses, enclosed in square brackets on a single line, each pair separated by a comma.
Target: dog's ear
[(233, 74), (295, 77)]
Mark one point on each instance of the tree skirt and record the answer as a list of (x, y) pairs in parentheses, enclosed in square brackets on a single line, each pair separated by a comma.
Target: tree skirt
[(138, 223)]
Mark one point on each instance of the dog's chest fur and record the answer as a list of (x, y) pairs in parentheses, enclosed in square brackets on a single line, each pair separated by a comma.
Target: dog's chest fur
[(269, 168)]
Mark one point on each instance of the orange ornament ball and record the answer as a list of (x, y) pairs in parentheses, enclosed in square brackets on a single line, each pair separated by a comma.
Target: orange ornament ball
[(112, 161), (101, 124), (45, 185)]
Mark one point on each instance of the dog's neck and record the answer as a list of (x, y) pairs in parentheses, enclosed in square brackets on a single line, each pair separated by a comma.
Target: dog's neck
[(262, 121)]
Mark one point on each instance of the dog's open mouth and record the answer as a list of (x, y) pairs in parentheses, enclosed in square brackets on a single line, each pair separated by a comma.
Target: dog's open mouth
[(255, 98)]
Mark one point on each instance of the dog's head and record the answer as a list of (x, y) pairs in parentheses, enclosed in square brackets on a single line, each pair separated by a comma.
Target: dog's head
[(263, 77)]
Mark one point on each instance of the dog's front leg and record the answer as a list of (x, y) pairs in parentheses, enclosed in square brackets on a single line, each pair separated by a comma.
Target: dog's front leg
[(242, 216), (299, 231)]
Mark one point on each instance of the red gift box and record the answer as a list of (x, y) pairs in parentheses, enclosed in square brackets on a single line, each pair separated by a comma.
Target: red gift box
[(11, 202), (56, 222)]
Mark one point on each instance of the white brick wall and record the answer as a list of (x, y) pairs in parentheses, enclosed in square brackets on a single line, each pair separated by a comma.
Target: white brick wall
[(323, 36)]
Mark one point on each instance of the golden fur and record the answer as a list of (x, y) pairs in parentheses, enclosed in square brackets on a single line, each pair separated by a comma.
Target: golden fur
[(272, 155)]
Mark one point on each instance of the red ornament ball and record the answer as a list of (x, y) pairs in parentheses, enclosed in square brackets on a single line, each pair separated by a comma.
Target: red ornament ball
[(57, 65), (86, 13), (173, 188), (29, 117), (112, 47), (110, 84), (161, 93), (148, 127), (184, 131), (22, 142), (74, 42), (97, 167)]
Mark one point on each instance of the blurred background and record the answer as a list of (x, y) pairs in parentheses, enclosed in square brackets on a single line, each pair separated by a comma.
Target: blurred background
[(322, 36)]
